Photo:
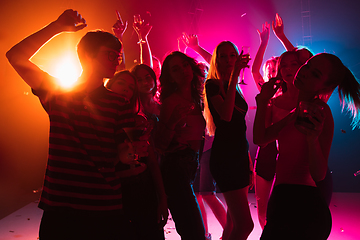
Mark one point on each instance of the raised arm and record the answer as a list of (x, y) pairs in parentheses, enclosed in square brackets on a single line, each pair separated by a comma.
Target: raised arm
[(278, 28), (118, 29), (192, 42), (143, 29), (256, 66), (19, 55)]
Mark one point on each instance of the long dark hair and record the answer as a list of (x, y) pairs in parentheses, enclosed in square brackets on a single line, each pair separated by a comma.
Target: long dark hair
[(168, 87)]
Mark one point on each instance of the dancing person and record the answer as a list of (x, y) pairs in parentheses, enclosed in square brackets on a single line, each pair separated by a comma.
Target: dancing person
[(144, 197), (124, 84), (180, 136), (265, 160), (297, 209), (147, 87), (86, 136), (204, 184), (225, 110)]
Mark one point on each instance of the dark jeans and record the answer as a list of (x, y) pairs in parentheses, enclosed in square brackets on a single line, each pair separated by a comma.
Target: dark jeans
[(140, 205), (77, 225), (178, 171)]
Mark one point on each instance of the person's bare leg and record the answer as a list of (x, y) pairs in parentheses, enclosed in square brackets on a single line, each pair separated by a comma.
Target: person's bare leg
[(203, 212), (238, 207), (262, 194), (217, 207)]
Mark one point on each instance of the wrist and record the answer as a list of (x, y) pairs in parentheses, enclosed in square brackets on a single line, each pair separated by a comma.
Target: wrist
[(55, 27)]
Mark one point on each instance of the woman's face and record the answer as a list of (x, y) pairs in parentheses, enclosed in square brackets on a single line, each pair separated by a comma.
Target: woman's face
[(313, 75), (288, 67), (226, 58), (124, 85), (180, 71), (145, 82), (270, 69)]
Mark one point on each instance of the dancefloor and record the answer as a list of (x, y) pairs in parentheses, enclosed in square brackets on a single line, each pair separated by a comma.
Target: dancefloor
[(23, 224)]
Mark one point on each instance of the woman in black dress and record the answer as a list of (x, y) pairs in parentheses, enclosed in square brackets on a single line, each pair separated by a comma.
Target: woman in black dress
[(229, 162)]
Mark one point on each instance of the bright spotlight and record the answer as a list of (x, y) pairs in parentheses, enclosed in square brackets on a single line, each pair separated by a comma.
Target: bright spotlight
[(67, 70)]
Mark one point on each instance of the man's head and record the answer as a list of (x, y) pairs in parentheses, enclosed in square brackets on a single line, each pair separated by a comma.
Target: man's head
[(93, 40), (99, 53)]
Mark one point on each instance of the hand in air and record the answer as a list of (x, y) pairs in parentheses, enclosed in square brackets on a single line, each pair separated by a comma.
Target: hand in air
[(70, 20), (119, 27), (264, 34), (141, 28), (190, 41), (278, 26)]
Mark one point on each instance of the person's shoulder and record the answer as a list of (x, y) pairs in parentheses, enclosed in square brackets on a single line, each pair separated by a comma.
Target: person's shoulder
[(212, 86), (325, 108)]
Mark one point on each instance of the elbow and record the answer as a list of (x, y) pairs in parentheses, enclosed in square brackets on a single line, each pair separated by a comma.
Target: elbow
[(257, 141), (226, 119), (9, 55), (260, 141), (226, 116), (318, 176)]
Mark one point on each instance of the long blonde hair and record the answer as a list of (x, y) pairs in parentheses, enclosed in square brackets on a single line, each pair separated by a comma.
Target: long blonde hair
[(214, 75)]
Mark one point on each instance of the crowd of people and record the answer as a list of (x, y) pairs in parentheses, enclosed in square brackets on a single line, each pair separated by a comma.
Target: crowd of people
[(126, 146)]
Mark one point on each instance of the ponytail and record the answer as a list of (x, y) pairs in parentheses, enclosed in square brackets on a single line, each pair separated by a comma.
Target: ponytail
[(349, 95)]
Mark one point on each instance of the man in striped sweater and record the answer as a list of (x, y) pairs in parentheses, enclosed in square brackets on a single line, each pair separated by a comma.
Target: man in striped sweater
[(81, 196)]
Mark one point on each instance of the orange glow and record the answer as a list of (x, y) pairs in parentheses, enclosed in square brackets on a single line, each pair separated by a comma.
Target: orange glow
[(67, 69)]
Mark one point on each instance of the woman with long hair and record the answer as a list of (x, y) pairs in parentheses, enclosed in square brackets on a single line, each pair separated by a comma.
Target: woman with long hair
[(297, 209), (144, 198), (180, 136), (225, 110)]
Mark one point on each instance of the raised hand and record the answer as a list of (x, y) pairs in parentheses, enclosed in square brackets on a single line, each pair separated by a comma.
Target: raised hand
[(278, 26), (264, 34), (119, 27), (141, 28), (190, 41), (70, 20)]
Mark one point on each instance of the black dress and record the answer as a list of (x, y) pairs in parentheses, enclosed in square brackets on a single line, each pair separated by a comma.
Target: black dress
[(229, 161)]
